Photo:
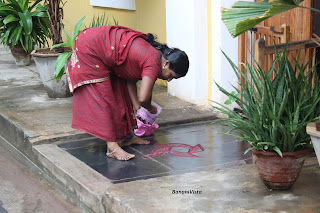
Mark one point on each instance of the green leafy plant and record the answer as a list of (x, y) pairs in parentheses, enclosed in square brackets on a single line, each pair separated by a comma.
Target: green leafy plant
[(59, 66), (22, 23), (102, 20), (231, 99), (278, 110), (244, 15)]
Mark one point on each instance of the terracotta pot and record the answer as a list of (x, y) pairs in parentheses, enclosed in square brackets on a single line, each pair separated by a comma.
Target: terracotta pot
[(21, 57), (279, 173)]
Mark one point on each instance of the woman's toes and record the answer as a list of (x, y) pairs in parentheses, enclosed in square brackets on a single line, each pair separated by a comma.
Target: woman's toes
[(146, 142), (130, 157), (140, 141), (134, 140), (122, 155)]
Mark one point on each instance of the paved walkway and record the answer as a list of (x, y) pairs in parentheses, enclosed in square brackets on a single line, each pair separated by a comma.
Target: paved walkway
[(198, 170), (23, 191)]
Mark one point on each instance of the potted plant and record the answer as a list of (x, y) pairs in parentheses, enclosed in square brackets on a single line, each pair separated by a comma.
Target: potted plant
[(52, 62), (45, 58), (276, 114), (22, 26)]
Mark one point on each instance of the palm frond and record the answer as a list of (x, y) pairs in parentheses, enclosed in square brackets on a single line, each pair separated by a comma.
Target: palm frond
[(245, 15)]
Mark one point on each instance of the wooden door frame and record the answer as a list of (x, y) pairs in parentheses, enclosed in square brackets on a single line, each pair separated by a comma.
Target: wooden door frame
[(317, 32)]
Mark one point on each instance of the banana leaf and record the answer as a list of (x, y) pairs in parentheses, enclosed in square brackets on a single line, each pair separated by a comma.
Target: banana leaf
[(245, 15)]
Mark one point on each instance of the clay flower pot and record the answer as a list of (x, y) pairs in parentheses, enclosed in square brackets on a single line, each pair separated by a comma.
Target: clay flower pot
[(279, 173), (21, 57), (45, 62)]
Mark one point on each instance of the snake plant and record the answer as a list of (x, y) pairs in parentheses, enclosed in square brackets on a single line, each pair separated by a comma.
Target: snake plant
[(278, 110), (102, 20), (245, 15), (23, 23)]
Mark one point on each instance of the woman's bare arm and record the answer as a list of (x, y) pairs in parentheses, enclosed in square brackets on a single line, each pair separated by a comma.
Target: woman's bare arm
[(132, 90), (145, 94)]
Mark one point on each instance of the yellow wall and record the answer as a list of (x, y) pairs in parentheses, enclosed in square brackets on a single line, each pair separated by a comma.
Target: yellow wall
[(149, 17), (75, 9)]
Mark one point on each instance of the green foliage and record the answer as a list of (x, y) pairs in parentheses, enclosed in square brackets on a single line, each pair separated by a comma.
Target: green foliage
[(62, 59), (244, 15), (231, 99), (23, 23), (277, 110), (103, 20)]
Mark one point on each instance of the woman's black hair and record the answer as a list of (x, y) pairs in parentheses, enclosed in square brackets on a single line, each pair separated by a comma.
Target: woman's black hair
[(179, 62)]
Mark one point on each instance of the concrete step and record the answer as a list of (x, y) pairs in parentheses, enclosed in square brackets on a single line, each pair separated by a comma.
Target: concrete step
[(36, 130), (79, 179)]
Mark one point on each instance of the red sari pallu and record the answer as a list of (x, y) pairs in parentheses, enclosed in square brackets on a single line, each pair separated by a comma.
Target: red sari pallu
[(103, 59)]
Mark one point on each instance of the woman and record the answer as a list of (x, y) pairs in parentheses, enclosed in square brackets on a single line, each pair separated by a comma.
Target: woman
[(106, 64)]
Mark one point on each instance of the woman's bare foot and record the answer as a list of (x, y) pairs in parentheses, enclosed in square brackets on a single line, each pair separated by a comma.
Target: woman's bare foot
[(134, 140), (115, 151)]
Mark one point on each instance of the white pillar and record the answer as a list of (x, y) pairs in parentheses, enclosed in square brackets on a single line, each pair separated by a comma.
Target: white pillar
[(186, 22), (222, 73)]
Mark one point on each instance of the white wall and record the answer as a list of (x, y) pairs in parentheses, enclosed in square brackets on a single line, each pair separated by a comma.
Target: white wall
[(186, 22), (222, 73)]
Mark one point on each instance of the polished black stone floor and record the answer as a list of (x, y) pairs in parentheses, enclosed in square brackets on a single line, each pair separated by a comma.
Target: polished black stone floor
[(172, 150)]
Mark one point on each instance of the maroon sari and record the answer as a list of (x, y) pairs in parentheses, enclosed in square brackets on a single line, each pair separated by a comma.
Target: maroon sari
[(104, 58)]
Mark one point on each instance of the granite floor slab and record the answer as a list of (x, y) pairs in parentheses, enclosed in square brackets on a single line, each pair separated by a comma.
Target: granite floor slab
[(172, 150)]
